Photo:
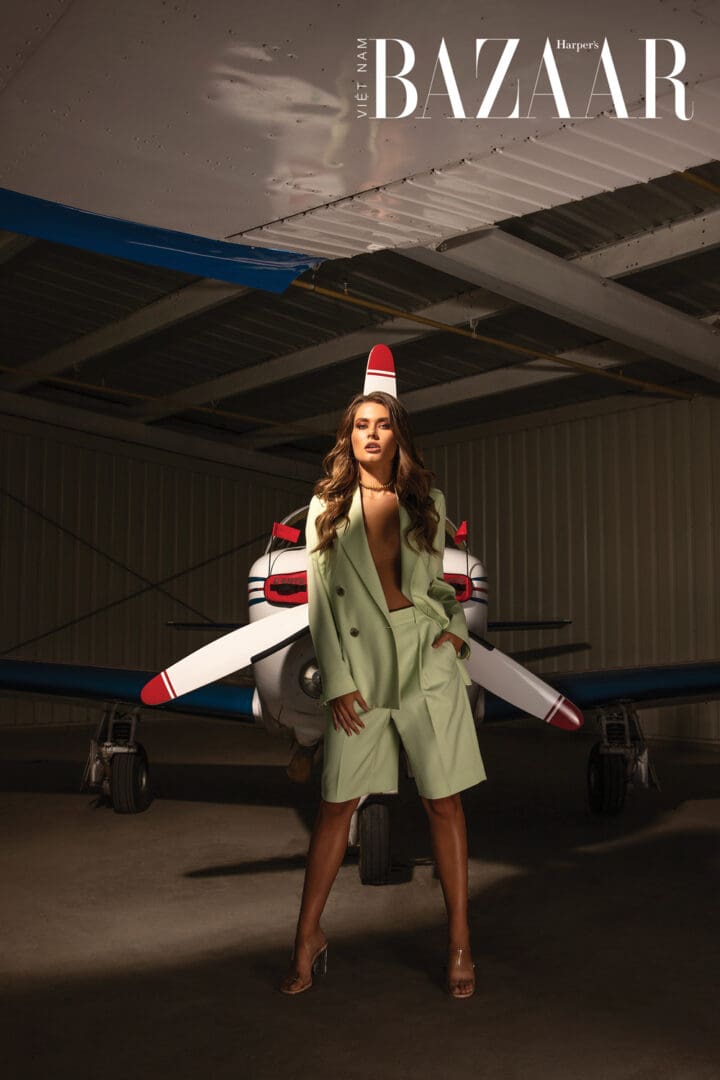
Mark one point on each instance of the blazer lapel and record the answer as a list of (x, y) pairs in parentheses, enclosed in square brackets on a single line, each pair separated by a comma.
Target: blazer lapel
[(355, 544), (410, 559)]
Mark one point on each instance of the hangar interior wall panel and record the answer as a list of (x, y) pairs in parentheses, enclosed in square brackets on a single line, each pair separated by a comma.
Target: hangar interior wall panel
[(87, 526), (611, 520)]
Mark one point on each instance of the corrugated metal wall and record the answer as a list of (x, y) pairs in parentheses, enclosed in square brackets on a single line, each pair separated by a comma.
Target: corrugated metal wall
[(612, 520), (87, 524)]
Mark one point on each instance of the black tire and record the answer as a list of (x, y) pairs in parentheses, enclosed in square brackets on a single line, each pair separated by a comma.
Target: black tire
[(130, 782), (374, 832), (606, 782)]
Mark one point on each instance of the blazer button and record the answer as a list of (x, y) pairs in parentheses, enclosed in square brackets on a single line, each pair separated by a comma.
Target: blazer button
[(354, 631), (340, 591)]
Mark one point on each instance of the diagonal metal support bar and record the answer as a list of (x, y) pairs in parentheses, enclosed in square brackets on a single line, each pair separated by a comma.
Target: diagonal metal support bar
[(565, 290), (113, 427), (180, 305)]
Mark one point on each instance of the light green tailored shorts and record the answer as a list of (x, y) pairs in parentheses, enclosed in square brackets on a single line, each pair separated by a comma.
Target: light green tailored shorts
[(435, 725)]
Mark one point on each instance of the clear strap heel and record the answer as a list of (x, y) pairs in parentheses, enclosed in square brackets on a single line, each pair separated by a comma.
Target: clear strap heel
[(319, 964), (291, 983), (455, 981)]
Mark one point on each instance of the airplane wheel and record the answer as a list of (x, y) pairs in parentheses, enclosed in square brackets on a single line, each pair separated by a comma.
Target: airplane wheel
[(374, 862), (130, 782), (606, 781)]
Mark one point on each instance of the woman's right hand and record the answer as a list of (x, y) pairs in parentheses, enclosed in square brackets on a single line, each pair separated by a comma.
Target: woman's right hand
[(343, 713)]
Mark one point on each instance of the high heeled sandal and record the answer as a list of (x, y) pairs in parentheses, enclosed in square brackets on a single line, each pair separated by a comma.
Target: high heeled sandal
[(318, 966), (453, 985)]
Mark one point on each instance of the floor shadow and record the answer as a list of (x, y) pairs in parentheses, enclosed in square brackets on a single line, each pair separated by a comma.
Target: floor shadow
[(596, 945), (601, 967)]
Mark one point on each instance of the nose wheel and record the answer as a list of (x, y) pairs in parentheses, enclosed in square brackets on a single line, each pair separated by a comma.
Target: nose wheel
[(374, 835)]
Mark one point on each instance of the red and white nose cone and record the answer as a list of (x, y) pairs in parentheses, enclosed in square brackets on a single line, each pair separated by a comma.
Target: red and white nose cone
[(565, 715), (380, 371)]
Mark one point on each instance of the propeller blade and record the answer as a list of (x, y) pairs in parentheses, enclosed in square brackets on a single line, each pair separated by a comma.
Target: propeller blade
[(380, 371), (229, 653), (508, 680)]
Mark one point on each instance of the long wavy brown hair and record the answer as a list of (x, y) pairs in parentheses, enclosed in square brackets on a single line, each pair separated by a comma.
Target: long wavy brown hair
[(412, 480)]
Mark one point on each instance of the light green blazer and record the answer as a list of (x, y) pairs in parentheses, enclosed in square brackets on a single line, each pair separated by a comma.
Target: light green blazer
[(348, 614)]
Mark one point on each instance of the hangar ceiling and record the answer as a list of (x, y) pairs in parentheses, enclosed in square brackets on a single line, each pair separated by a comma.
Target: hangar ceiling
[(617, 293)]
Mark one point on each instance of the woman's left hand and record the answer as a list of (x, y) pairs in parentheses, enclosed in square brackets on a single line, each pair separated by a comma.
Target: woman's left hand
[(447, 636)]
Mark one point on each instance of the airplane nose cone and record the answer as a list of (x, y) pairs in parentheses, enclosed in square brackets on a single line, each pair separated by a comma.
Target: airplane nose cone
[(565, 715), (155, 692)]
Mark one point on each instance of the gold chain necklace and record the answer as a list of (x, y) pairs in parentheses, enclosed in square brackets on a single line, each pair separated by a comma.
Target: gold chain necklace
[(383, 487)]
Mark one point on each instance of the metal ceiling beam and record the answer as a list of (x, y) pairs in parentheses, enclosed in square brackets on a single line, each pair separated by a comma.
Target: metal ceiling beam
[(655, 248), (602, 355), (113, 427), (475, 304), (662, 245), (484, 384), (626, 256), (182, 304), (568, 291)]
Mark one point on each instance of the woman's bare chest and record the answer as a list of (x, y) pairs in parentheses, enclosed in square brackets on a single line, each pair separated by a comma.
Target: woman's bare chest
[(382, 528)]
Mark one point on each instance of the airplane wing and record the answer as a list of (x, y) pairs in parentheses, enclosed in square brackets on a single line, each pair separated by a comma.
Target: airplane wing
[(263, 138), (83, 682), (644, 687), (254, 267)]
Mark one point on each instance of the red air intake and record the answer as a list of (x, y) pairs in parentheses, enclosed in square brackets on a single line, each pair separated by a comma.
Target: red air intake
[(462, 586), (286, 590)]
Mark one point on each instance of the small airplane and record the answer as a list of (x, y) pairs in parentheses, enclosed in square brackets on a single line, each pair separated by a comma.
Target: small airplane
[(287, 691), (286, 694), (277, 643)]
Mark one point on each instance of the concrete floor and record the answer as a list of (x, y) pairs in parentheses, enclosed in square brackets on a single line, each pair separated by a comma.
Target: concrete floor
[(151, 946)]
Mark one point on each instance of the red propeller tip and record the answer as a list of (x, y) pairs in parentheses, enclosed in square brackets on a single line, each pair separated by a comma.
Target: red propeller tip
[(155, 692), (565, 715), (381, 359)]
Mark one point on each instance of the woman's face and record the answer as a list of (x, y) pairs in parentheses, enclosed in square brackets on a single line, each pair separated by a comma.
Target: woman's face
[(373, 441)]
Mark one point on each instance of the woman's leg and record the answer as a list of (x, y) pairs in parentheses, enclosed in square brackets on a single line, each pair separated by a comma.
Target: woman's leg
[(328, 845), (449, 842)]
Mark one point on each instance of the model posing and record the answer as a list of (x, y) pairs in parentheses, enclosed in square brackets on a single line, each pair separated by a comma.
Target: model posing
[(389, 638)]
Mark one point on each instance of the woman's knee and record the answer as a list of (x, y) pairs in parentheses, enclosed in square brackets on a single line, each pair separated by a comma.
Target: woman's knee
[(450, 806)]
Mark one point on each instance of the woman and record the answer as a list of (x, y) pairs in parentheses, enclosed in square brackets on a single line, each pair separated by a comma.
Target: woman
[(377, 599)]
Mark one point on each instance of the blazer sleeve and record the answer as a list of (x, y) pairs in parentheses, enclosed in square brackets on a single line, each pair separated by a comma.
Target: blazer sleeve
[(334, 670), (442, 590)]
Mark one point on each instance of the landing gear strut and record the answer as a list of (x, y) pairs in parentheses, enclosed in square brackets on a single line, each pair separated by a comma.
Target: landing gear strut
[(618, 761), (117, 764)]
